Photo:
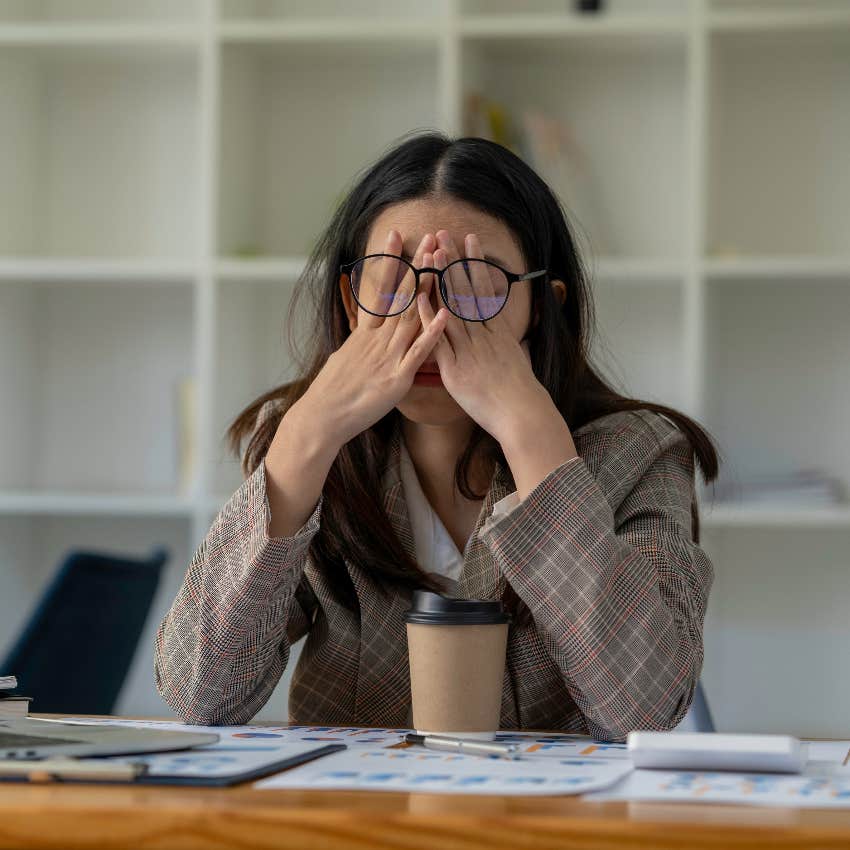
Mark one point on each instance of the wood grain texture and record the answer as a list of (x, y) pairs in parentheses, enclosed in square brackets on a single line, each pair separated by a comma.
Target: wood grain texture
[(160, 818)]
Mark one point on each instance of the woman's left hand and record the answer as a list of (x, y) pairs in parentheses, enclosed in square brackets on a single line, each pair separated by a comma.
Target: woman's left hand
[(483, 365)]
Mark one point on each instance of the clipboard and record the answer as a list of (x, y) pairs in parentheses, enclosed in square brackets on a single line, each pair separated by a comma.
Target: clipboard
[(109, 771)]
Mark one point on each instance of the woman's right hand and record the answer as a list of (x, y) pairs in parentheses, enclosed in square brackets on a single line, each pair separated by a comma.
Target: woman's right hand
[(372, 371)]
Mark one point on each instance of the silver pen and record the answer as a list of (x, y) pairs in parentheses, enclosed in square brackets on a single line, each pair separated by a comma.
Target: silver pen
[(461, 745)]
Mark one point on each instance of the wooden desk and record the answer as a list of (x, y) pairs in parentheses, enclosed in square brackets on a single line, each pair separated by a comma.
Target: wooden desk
[(88, 816)]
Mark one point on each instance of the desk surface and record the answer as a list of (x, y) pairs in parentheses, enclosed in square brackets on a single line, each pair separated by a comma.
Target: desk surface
[(89, 816)]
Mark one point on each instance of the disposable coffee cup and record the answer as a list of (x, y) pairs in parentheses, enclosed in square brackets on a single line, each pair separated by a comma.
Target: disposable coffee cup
[(457, 651)]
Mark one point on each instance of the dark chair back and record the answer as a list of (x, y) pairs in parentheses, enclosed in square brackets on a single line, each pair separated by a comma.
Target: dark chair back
[(76, 649), (703, 721)]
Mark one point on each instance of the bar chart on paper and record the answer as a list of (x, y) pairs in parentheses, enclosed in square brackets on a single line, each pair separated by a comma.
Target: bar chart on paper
[(761, 789), (549, 764), (417, 769)]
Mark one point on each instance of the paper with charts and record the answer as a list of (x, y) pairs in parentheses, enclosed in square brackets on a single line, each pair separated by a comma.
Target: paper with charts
[(761, 789), (825, 782), (550, 764)]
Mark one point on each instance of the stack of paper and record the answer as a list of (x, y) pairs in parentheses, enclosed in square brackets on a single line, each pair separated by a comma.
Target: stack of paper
[(12, 704)]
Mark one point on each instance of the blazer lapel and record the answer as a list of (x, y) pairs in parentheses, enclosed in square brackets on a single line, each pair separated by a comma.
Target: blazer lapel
[(383, 685)]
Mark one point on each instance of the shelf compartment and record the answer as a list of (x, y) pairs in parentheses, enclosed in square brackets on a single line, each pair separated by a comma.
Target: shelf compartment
[(725, 515), (638, 327), (100, 156), (637, 271), (273, 200), (613, 9), (253, 356), (764, 15), (639, 29), (624, 201), (768, 270), (90, 11), (757, 204), (348, 31), (118, 272), (95, 367), (329, 10), (776, 379), (108, 504), (104, 35), (280, 269)]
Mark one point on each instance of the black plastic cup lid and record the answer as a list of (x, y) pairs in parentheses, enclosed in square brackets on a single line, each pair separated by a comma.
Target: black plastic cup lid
[(438, 610)]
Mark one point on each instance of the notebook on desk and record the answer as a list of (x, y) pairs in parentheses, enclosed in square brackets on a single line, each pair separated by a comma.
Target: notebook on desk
[(31, 738), (12, 704), (150, 753)]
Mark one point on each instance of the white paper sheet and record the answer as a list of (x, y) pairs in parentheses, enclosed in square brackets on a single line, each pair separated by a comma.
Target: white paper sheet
[(824, 782), (761, 789), (826, 758), (418, 769)]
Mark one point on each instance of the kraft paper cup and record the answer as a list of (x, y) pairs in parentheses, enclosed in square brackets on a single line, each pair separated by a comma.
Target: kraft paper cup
[(457, 651)]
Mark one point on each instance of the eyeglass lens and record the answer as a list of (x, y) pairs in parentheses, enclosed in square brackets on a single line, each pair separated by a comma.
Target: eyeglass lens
[(385, 285)]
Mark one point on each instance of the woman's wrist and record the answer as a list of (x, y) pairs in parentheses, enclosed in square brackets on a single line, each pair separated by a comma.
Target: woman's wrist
[(296, 467), (313, 429), (536, 440)]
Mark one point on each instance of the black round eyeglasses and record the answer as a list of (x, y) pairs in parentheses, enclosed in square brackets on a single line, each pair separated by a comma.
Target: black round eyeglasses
[(474, 290)]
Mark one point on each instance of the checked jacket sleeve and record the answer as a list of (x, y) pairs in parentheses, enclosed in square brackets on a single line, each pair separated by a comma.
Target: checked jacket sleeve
[(224, 644), (616, 586)]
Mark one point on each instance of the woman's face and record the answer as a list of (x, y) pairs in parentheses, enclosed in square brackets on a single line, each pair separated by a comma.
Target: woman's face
[(427, 403)]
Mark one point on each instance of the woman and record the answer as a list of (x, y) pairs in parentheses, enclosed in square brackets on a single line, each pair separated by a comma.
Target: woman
[(449, 434)]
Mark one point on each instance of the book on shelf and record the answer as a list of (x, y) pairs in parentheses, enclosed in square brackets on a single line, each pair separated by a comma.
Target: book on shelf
[(186, 427), (552, 148), (12, 704)]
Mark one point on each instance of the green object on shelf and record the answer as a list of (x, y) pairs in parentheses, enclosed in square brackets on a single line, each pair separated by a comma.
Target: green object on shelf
[(247, 250)]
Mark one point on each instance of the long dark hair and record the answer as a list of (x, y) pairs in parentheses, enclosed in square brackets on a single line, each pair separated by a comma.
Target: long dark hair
[(491, 178)]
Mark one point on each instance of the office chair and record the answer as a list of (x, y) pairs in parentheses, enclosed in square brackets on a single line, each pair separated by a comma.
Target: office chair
[(699, 709), (698, 718), (74, 653)]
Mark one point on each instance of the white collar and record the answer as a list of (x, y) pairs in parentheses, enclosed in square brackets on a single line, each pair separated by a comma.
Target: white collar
[(436, 551)]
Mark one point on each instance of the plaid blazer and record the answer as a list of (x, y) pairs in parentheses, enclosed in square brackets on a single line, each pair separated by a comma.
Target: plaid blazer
[(601, 552)]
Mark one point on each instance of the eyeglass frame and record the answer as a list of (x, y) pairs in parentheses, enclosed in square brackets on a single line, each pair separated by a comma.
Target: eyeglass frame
[(512, 277)]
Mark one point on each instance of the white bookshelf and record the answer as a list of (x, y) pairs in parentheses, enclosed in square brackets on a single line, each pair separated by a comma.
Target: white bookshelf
[(166, 167)]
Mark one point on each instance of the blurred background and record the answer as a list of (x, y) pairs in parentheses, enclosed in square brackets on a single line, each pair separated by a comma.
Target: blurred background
[(166, 166)]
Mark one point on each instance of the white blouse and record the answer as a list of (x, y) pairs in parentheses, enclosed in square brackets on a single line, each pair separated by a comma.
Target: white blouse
[(436, 551)]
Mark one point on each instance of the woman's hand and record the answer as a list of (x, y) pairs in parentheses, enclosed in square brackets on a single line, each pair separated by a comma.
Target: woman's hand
[(484, 367), (374, 368)]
